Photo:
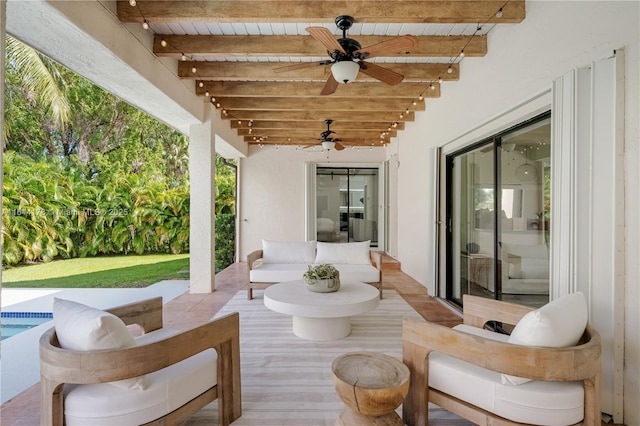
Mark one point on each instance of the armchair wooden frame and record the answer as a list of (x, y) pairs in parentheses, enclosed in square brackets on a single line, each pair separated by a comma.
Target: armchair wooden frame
[(59, 366), (419, 338), (376, 260)]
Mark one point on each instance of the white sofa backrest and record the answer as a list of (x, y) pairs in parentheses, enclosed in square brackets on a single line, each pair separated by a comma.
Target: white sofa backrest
[(288, 252), (344, 253)]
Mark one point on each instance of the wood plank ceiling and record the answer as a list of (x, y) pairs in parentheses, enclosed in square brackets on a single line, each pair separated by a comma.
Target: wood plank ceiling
[(229, 50)]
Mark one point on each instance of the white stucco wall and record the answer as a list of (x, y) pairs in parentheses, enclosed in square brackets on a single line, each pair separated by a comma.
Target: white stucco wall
[(272, 195), (521, 63)]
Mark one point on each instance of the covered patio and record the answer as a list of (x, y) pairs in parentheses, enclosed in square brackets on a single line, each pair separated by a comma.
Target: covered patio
[(578, 61)]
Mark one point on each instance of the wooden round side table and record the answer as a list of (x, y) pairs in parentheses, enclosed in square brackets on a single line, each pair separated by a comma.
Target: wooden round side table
[(372, 386)]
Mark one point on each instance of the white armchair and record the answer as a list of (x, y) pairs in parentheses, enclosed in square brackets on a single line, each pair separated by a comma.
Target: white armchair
[(546, 373), (94, 373)]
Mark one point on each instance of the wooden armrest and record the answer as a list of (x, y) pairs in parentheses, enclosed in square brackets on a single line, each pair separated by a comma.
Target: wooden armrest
[(80, 367), (538, 363), (145, 313), (376, 259), (479, 310), (252, 257)]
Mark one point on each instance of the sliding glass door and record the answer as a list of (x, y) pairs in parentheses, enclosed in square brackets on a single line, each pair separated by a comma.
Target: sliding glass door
[(471, 206), (347, 204), (498, 207)]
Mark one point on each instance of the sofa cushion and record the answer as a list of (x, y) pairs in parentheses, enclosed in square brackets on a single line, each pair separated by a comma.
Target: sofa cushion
[(363, 273), (277, 272), (343, 253), (274, 272), (559, 323), (537, 402), (167, 389), (83, 328), (288, 251)]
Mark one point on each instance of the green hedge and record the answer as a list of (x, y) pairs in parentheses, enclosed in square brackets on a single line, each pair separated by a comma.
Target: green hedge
[(225, 240), (51, 212)]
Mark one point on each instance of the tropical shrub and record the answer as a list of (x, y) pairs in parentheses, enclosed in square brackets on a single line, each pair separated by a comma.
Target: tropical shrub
[(225, 240), (49, 213), (87, 174)]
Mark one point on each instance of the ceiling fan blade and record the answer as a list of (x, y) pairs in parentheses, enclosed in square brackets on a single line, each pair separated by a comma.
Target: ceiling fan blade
[(379, 73), (330, 86), (301, 65), (390, 47), (325, 37), (338, 146)]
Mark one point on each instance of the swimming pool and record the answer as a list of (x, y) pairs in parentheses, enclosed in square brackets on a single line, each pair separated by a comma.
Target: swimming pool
[(13, 323)]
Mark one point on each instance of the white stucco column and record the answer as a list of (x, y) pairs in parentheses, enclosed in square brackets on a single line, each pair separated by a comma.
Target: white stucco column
[(202, 170)]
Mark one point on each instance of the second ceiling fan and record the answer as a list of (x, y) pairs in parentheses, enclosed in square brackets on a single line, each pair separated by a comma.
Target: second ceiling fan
[(348, 56), (327, 142)]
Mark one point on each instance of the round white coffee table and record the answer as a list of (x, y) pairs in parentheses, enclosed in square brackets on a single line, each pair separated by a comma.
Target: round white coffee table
[(321, 316)]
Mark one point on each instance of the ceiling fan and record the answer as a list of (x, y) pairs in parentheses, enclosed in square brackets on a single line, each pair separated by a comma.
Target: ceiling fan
[(328, 142), (348, 56)]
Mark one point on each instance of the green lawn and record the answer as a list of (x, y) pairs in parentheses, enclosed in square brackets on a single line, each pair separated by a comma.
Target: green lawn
[(99, 272)]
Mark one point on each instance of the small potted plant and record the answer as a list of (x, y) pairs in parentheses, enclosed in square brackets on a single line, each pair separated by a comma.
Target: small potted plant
[(323, 278)]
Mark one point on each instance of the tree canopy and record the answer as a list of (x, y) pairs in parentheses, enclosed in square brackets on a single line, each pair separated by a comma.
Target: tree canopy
[(52, 112), (71, 147)]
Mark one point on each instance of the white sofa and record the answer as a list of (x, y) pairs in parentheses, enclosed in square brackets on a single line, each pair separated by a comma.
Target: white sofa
[(287, 260), (525, 269)]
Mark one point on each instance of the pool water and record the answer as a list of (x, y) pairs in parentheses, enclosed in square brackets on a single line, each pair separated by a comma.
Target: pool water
[(13, 323)]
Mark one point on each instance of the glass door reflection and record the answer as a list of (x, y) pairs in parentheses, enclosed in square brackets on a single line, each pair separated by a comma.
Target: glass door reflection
[(347, 204)]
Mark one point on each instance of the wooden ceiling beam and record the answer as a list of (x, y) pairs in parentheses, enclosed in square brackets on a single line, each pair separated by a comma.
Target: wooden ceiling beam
[(453, 11), (306, 89), (305, 133), (375, 142), (319, 104), (311, 125), (313, 115), (304, 46), (263, 71)]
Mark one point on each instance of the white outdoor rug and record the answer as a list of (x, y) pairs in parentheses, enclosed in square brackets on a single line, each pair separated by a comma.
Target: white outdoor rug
[(287, 380)]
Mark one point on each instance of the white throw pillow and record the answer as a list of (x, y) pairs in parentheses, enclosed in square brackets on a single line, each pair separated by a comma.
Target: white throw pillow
[(83, 328), (559, 323), (344, 253), (288, 251)]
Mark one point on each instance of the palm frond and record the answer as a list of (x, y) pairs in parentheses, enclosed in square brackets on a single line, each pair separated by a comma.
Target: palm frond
[(41, 77)]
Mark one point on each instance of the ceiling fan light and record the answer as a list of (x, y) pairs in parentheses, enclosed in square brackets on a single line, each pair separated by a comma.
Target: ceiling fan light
[(328, 144), (345, 71)]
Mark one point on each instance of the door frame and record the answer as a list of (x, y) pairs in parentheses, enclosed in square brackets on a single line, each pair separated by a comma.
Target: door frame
[(310, 197)]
